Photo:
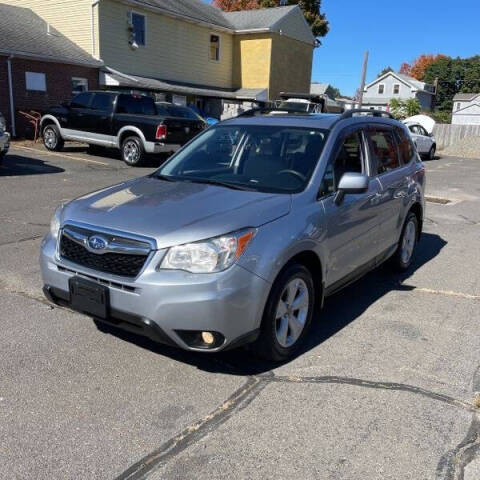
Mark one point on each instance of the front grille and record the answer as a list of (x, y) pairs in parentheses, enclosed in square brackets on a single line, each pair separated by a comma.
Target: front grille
[(114, 263)]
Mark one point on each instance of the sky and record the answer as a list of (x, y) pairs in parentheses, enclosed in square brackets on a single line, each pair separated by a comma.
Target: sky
[(392, 32)]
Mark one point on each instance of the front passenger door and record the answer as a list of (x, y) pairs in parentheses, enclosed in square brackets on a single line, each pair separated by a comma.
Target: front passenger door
[(78, 115), (352, 225)]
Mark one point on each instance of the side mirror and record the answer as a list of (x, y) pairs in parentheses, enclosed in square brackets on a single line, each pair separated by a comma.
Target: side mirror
[(351, 182)]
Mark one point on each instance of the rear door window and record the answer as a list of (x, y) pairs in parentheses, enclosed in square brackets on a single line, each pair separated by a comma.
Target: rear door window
[(136, 105), (102, 102), (384, 151), (405, 145)]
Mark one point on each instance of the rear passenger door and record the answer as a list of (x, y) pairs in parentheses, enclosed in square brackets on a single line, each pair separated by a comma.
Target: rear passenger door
[(352, 226), (388, 168), (100, 113)]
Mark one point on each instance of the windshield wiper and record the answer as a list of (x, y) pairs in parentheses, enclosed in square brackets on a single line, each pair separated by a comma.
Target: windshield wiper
[(167, 178), (219, 183)]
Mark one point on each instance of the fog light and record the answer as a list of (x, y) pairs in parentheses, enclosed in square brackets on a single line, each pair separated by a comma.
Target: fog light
[(208, 338)]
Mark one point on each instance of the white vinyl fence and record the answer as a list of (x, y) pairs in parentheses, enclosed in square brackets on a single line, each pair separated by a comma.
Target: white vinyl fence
[(447, 135)]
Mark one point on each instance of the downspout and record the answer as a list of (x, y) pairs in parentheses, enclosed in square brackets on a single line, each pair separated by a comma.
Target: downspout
[(10, 91), (92, 20)]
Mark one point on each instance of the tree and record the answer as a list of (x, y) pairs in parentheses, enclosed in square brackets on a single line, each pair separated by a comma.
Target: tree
[(384, 71), (311, 9), (421, 63), (402, 109), (411, 107), (396, 108)]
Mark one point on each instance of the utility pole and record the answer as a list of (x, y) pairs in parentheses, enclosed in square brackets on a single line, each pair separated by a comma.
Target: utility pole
[(364, 76)]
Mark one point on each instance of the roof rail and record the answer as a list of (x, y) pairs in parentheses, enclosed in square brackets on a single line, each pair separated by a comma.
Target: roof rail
[(262, 111), (374, 113)]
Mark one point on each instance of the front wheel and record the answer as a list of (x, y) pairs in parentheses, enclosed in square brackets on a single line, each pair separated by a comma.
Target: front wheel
[(431, 153), (52, 139), (133, 152), (402, 259), (288, 314)]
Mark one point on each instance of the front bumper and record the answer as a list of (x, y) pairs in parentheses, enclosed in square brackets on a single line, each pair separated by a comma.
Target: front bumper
[(162, 305), (156, 147), (4, 143)]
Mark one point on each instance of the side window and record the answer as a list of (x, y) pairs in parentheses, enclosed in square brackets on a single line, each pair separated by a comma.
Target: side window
[(384, 151), (81, 101), (348, 159), (214, 48), (422, 131), (405, 145), (102, 102), (139, 28), (136, 105)]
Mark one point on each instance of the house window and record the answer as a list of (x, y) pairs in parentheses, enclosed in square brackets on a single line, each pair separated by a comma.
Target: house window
[(381, 89), (139, 28), (396, 89), (214, 48), (36, 81), (458, 106), (79, 85)]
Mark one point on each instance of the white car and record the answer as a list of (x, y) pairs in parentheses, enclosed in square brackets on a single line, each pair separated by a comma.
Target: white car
[(421, 131), (4, 138)]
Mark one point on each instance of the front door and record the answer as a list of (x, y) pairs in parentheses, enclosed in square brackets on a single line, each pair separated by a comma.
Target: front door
[(352, 225), (78, 113)]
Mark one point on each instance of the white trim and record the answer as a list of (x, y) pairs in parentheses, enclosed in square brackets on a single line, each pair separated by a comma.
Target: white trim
[(136, 12), (215, 34), (467, 107)]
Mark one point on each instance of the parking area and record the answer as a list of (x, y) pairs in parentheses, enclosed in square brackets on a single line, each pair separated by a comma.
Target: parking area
[(386, 387)]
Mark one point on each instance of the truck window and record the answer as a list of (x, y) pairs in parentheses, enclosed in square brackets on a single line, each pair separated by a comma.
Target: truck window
[(102, 102), (136, 105), (81, 101)]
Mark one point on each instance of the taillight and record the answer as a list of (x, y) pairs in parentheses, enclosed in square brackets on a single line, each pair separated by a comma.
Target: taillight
[(161, 132)]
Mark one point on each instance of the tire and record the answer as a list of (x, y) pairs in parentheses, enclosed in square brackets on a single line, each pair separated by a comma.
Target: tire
[(133, 153), (52, 139), (2, 156), (431, 153), (402, 258), (282, 336)]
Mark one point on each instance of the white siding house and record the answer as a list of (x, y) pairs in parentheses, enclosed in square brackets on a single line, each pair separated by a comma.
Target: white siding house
[(466, 109), (378, 93)]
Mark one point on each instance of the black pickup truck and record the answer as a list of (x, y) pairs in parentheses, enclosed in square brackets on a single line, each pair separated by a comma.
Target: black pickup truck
[(131, 123)]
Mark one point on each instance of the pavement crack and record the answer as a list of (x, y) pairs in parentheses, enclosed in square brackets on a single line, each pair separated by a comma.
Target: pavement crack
[(358, 382), (196, 431), (27, 239)]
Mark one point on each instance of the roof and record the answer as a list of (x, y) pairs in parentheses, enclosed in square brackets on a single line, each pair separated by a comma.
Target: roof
[(244, 21), (146, 83), (193, 10), (25, 34), (319, 88), (465, 96), (259, 18)]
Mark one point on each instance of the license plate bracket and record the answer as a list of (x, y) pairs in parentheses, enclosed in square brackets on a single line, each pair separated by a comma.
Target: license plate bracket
[(89, 297)]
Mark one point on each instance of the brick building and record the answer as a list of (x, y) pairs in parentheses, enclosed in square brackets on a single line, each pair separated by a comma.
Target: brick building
[(39, 67)]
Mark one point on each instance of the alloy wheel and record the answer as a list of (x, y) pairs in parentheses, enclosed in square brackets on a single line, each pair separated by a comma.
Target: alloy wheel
[(408, 241), (50, 138), (131, 152), (292, 312)]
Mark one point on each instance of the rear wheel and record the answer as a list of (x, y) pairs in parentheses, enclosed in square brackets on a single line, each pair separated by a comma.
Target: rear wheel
[(431, 153), (52, 139), (288, 314), (133, 153), (402, 258)]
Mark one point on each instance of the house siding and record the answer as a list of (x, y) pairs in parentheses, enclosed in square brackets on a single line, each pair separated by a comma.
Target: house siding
[(469, 115), (291, 69), (175, 50), (58, 87), (252, 61), (72, 18)]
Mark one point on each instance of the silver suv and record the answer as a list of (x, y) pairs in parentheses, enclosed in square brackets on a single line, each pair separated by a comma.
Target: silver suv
[(243, 232)]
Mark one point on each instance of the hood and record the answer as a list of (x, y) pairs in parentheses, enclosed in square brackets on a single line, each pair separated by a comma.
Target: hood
[(425, 121), (174, 213)]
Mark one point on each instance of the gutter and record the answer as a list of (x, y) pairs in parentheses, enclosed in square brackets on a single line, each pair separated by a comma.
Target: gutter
[(10, 92), (46, 58), (92, 22)]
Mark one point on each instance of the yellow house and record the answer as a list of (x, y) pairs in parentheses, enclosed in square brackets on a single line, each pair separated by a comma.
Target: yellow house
[(188, 50)]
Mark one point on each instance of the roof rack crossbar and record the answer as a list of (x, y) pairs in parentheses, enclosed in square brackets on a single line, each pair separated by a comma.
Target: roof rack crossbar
[(374, 113), (261, 111)]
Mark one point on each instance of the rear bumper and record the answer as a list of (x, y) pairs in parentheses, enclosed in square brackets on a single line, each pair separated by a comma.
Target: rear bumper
[(163, 305), (156, 147)]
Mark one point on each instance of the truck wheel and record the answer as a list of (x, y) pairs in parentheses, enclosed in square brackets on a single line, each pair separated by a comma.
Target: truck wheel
[(287, 315), (133, 153), (52, 139)]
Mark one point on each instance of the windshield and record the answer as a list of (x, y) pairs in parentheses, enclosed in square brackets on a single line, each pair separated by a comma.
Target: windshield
[(297, 106), (177, 111), (262, 158)]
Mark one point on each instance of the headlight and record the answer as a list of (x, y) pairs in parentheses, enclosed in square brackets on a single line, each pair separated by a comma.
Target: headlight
[(209, 256), (55, 223)]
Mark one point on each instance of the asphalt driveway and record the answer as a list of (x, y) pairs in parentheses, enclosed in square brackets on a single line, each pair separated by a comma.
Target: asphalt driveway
[(385, 388)]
